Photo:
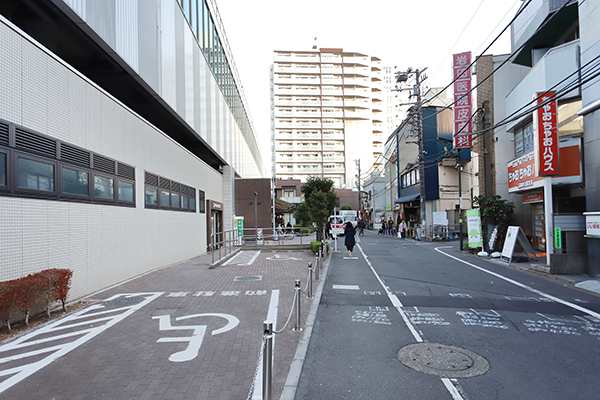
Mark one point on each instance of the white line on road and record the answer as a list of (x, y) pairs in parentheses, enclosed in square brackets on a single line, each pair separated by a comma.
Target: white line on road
[(450, 386), (346, 287), (548, 296)]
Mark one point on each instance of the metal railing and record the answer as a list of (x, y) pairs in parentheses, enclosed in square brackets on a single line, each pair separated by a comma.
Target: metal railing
[(222, 244)]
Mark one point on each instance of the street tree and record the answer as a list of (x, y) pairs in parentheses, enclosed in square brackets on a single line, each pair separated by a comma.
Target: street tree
[(319, 202)]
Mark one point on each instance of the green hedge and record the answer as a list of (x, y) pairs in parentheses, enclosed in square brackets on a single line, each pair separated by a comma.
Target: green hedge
[(316, 246)]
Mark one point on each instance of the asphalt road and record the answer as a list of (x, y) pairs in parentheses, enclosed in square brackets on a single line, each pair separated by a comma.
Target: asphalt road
[(417, 320)]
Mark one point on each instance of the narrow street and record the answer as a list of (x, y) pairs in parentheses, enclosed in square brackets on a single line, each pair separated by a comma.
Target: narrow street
[(416, 320)]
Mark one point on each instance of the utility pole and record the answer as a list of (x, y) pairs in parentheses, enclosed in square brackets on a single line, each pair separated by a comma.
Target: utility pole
[(402, 77), (359, 192), (421, 155)]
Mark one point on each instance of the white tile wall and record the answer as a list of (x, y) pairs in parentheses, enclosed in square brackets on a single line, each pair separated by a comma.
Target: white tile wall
[(102, 244)]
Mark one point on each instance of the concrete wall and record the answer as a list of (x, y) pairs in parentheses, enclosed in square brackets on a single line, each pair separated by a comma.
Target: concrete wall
[(103, 244)]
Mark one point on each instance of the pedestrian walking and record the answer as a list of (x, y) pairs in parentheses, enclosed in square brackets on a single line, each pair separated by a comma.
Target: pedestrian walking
[(361, 227), (390, 226), (349, 240), (402, 229), (383, 227)]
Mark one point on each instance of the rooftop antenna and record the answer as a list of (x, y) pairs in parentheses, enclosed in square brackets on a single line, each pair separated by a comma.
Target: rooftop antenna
[(315, 45)]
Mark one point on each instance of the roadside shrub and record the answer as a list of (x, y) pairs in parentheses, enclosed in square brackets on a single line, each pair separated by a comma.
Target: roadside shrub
[(33, 292)]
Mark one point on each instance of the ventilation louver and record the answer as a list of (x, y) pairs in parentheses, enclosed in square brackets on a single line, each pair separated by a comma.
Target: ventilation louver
[(151, 179), (104, 164), (125, 171), (25, 140), (74, 155), (3, 134)]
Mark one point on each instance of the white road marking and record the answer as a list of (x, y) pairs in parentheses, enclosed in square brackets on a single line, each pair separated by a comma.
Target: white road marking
[(23, 371), (195, 341), (450, 386), (346, 287), (519, 284)]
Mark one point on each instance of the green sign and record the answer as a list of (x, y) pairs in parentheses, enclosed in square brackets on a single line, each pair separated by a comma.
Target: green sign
[(557, 238), (474, 228)]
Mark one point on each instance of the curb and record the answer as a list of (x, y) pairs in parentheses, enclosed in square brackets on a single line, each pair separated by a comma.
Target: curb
[(291, 383)]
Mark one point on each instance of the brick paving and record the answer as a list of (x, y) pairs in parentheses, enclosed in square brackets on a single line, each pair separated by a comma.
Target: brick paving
[(127, 361)]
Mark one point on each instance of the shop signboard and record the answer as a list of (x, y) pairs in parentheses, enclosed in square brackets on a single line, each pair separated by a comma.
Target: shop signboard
[(474, 228), (515, 234), (530, 198), (522, 175), (547, 135), (592, 224), (463, 108)]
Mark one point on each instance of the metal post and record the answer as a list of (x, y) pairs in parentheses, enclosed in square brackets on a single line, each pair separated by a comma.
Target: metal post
[(297, 294), (255, 221), (317, 268), (460, 205), (267, 360), (309, 283)]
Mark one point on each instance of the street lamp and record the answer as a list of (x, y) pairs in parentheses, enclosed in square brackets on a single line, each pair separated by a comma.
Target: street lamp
[(255, 221)]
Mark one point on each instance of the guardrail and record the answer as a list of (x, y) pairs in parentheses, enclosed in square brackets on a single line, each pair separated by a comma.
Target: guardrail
[(222, 244)]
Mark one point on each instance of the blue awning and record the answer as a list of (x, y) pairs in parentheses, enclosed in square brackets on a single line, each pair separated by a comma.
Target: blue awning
[(406, 199)]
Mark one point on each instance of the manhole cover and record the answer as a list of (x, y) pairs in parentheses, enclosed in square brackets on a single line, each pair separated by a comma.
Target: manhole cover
[(442, 360), (123, 301), (247, 278)]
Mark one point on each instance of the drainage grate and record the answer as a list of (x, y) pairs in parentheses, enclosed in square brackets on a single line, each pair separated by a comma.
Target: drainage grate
[(247, 278), (442, 360), (123, 301)]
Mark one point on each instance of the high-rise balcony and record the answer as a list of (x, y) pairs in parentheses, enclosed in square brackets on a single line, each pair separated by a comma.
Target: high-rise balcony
[(294, 101), (297, 69), (292, 57), (297, 80), (296, 90), (310, 113)]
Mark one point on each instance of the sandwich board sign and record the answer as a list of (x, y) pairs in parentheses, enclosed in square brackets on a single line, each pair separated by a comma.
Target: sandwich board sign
[(514, 234)]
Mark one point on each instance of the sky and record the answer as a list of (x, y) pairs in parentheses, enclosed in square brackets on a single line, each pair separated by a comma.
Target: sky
[(402, 33)]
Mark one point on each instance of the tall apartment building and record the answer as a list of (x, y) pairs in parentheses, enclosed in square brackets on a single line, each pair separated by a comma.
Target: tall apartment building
[(328, 113)]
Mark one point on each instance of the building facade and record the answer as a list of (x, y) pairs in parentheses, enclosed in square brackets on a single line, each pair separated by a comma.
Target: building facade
[(327, 112), (547, 45), (122, 130)]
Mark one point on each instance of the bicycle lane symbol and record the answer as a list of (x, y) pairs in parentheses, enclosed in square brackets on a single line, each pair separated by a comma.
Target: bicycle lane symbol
[(195, 341)]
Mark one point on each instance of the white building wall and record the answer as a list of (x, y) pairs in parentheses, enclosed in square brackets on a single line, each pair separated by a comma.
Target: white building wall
[(102, 244), (170, 61)]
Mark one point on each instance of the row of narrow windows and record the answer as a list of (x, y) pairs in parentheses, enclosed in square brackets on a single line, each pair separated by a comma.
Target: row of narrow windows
[(38, 166)]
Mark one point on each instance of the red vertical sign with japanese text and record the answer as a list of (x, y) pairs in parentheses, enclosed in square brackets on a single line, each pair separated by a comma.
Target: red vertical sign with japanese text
[(462, 100), (547, 135)]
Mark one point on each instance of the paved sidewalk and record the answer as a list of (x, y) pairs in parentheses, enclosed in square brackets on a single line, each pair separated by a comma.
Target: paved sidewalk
[(181, 332)]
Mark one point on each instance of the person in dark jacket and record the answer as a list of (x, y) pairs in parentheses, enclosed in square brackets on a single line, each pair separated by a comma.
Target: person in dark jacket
[(349, 240)]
